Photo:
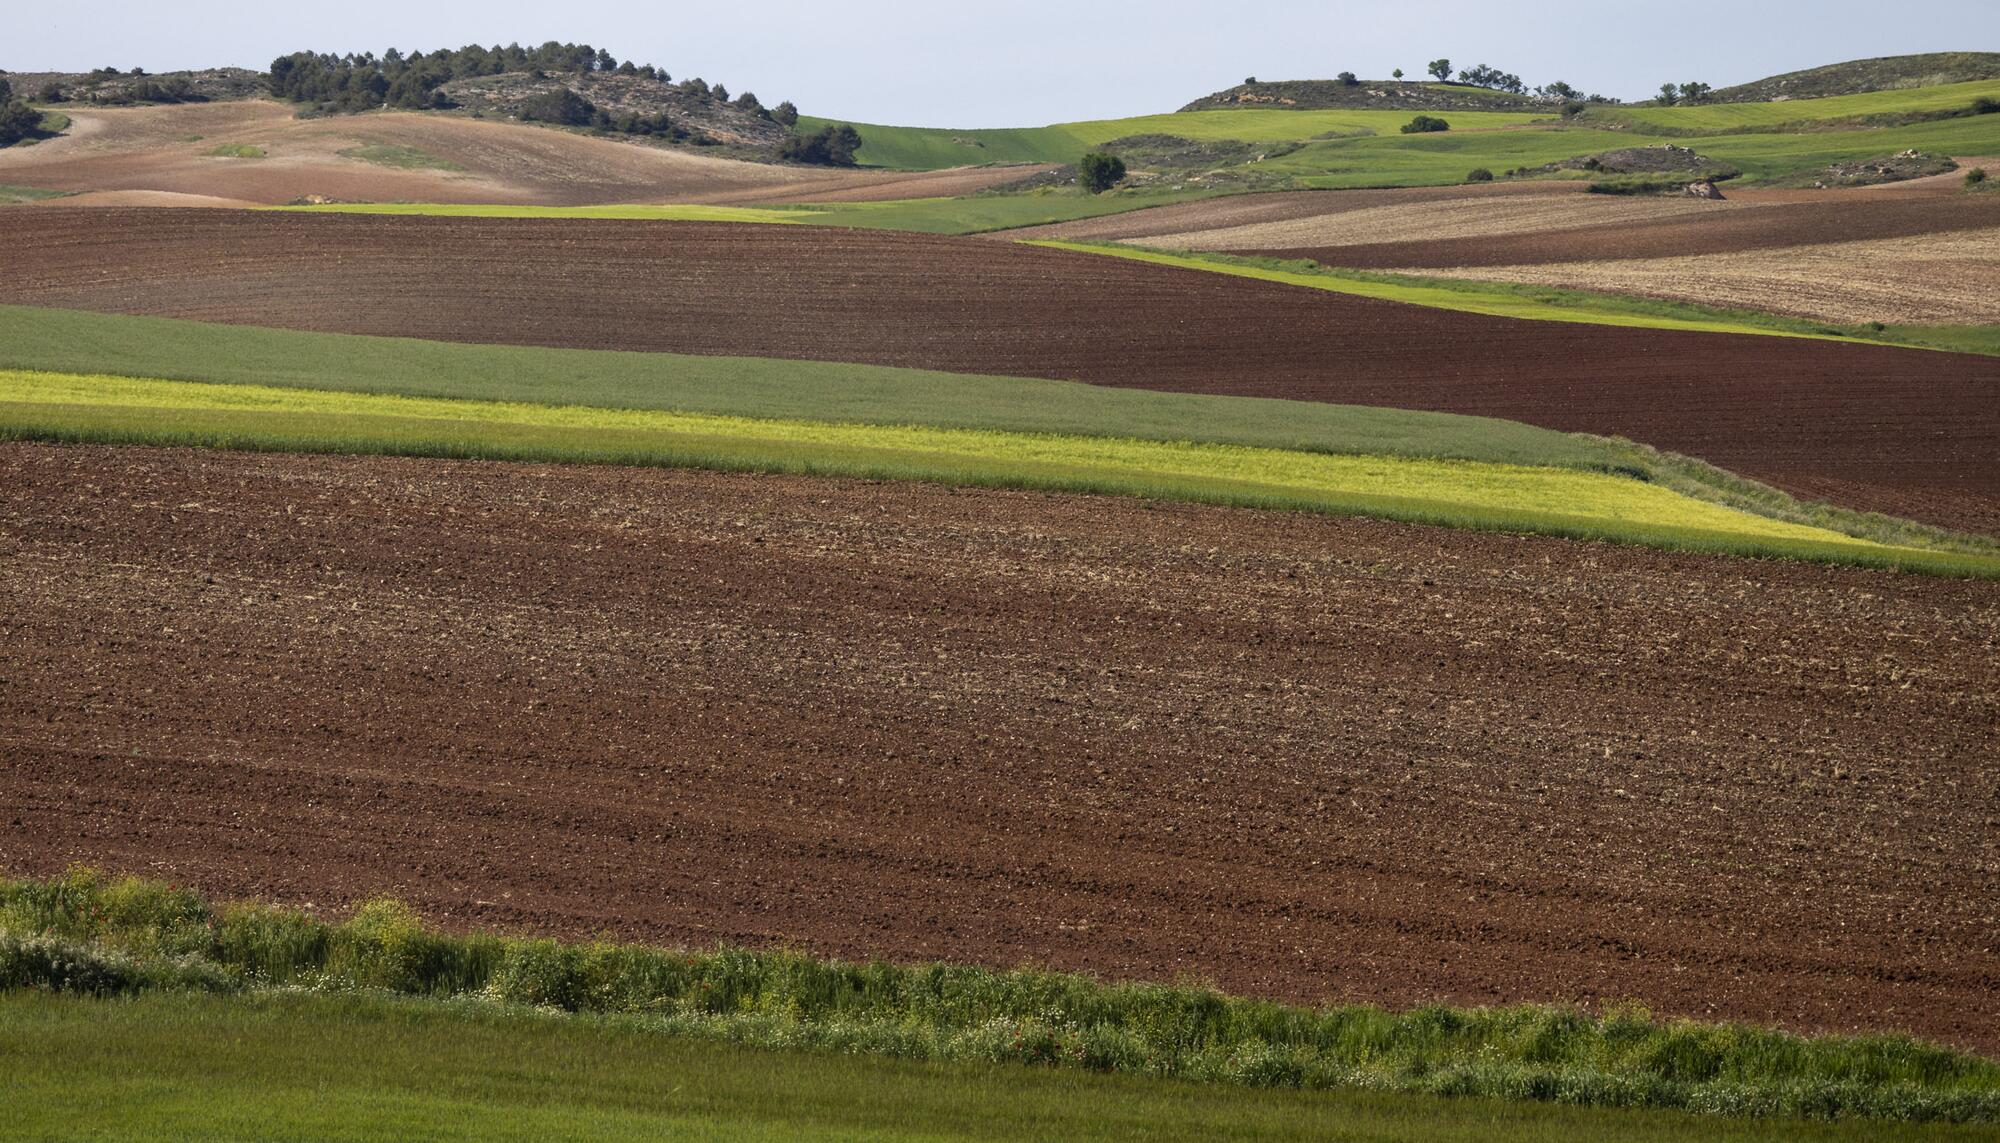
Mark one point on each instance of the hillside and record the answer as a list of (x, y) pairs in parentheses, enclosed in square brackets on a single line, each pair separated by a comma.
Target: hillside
[(109, 87), (690, 107), (1367, 94), (1857, 77)]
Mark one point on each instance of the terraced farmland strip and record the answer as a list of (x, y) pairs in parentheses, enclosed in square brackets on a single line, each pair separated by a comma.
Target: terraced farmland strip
[(1307, 758), (1911, 433), (1553, 501)]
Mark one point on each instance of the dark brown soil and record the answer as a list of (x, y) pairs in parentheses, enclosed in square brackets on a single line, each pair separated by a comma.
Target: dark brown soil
[(1906, 431), (1304, 757)]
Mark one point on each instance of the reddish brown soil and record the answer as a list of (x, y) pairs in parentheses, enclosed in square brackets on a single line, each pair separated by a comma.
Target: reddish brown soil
[(1908, 432), (1767, 227), (1304, 757)]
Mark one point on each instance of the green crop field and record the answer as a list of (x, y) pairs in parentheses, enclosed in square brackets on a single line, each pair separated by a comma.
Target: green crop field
[(399, 155), (1733, 116), (168, 1067), (931, 148), (1457, 493), (238, 151), (243, 1011)]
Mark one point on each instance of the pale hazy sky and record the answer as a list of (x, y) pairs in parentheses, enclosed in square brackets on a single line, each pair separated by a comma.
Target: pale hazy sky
[(1028, 62)]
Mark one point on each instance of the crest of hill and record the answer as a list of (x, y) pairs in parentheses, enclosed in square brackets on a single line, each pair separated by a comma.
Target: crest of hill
[(113, 88), (1367, 94), (1856, 77), (691, 106)]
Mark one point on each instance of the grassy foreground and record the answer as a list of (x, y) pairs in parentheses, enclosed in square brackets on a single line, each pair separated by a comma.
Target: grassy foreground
[(1457, 493), (170, 1067), (86, 935)]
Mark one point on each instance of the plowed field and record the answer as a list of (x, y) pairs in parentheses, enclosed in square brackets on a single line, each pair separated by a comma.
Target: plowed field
[(1939, 279), (114, 153), (1905, 431), (1303, 757)]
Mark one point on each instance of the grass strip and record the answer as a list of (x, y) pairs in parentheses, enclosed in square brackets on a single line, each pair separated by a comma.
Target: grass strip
[(87, 934), (1461, 494), (365, 1066)]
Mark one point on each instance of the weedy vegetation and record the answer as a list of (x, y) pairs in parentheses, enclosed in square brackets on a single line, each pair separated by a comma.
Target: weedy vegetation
[(91, 935)]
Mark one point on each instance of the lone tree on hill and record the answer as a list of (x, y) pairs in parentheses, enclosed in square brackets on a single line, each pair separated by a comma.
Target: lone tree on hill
[(1670, 94), (1441, 69), (1099, 171), (1347, 79), (1397, 74), (1424, 125)]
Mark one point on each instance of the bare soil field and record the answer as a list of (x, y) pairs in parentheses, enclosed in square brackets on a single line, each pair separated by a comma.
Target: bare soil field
[(169, 149), (1445, 219), (1303, 757), (1903, 431), (1936, 279), (1729, 228), (1181, 220)]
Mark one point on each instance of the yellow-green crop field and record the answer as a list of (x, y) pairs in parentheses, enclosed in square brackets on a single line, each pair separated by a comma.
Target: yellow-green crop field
[(1463, 493)]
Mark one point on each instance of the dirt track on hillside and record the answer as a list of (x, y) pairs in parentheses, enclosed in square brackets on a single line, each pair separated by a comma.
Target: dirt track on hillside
[(1304, 757), (167, 150), (1903, 431)]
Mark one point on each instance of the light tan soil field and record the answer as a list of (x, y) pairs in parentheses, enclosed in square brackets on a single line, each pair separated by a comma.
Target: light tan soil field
[(1940, 279), (171, 150)]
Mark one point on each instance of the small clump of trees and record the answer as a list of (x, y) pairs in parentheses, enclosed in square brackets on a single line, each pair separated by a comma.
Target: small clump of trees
[(1479, 175), (831, 146), (1673, 94), (1099, 171), (18, 121), (1424, 125), (365, 82)]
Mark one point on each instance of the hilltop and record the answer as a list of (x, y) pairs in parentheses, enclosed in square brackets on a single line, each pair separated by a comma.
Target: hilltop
[(1858, 77), (1364, 94)]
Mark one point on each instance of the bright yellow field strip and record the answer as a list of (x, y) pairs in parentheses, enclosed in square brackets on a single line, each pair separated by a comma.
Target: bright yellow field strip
[(1469, 485)]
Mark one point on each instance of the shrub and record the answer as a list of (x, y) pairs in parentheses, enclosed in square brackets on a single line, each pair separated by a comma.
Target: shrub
[(1425, 124), (1975, 176), (830, 146), (1479, 175), (561, 106), (1099, 171), (1347, 79), (1985, 105), (786, 114)]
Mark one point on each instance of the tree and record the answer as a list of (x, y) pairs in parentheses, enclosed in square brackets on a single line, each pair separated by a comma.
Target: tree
[(1670, 94), (785, 113), (1397, 74), (1695, 92), (830, 146), (561, 106), (1099, 171), (18, 121), (1250, 81), (1425, 124), (1347, 79), (1479, 175), (720, 93), (1441, 69), (1559, 92)]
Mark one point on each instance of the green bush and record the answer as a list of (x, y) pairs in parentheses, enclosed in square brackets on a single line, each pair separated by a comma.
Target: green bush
[(1975, 176), (1425, 124), (1479, 175), (1099, 171), (830, 146)]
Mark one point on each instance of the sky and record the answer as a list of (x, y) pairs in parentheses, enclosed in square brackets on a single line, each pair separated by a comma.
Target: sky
[(1031, 62)]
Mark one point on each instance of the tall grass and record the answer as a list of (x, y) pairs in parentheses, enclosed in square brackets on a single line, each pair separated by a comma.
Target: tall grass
[(91, 934)]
